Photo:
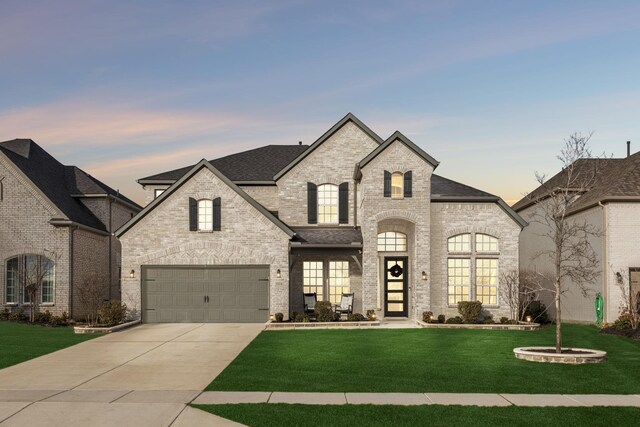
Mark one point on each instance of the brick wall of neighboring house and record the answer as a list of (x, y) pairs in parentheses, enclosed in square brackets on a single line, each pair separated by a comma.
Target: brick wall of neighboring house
[(25, 229), (622, 249), (450, 219), (266, 195), (162, 237), (576, 306), (90, 257), (375, 214), (331, 163)]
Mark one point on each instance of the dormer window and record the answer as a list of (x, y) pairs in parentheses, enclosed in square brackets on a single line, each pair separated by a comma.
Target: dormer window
[(397, 185)]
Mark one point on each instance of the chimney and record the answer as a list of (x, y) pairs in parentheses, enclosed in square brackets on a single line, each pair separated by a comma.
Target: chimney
[(299, 142), (628, 148)]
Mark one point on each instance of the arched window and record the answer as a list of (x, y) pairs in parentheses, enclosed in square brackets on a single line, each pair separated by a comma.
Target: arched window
[(327, 204), (465, 266), (392, 241), (486, 243), (205, 215), (25, 270), (459, 243), (397, 185)]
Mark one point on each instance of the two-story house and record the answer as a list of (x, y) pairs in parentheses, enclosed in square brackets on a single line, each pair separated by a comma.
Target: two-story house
[(244, 236), (56, 231)]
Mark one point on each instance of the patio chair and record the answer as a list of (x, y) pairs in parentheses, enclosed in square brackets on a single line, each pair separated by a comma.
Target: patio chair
[(310, 300), (346, 305)]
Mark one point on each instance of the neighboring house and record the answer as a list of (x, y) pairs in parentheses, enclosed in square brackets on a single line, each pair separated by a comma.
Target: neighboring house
[(244, 236), (611, 204), (56, 226)]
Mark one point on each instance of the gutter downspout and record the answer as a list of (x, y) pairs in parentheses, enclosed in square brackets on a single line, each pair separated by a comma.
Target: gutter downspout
[(605, 293), (71, 267)]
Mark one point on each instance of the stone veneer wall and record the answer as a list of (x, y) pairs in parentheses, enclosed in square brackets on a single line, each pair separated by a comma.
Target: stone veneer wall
[(374, 208), (162, 237), (449, 219)]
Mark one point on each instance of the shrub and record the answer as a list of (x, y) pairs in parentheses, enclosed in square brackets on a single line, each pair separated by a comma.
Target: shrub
[(624, 322), (371, 315), (427, 316), (538, 312), (504, 320), (305, 319), (294, 315), (323, 311), (456, 320), (279, 317), (470, 311), (42, 318), (441, 318), (488, 320), (356, 317), (112, 313), (4, 314), (17, 316), (298, 317)]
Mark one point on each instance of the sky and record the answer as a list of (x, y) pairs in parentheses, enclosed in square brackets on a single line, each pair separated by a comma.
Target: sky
[(127, 89)]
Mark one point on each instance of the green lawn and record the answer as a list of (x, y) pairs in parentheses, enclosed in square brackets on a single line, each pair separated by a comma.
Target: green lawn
[(20, 342), (429, 415), (427, 360)]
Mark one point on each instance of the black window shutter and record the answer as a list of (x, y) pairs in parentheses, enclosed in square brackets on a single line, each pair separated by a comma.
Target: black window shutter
[(217, 214), (343, 203), (312, 203), (408, 178), (193, 214), (387, 184)]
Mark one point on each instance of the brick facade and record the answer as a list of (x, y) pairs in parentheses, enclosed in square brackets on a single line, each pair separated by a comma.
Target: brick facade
[(162, 236)]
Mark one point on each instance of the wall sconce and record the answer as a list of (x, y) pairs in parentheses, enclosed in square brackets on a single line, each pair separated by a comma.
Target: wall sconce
[(278, 274), (132, 274), (424, 275)]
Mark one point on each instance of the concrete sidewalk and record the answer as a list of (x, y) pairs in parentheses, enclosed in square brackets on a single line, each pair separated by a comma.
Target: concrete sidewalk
[(409, 399)]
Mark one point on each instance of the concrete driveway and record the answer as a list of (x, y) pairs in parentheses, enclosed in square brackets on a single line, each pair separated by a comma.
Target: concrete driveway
[(141, 376)]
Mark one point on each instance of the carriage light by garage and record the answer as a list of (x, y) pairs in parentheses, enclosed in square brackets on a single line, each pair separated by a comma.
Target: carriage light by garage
[(132, 274), (424, 275), (278, 275)]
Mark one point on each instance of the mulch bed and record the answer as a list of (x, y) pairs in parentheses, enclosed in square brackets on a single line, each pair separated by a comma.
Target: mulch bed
[(629, 333)]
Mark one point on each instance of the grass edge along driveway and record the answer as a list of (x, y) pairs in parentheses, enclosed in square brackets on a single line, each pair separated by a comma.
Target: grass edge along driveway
[(20, 342), (428, 360)]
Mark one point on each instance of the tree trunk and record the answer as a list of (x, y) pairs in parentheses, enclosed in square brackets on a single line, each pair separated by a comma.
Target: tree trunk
[(558, 321)]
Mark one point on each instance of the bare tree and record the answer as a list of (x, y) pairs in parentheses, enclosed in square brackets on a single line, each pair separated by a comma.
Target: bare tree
[(91, 294), (574, 259), (531, 286), (510, 291), (630, 304), (34, 273)]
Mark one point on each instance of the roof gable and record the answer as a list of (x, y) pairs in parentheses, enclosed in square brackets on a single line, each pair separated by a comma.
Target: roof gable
[(398, 136), (346, 119), (194, 170)]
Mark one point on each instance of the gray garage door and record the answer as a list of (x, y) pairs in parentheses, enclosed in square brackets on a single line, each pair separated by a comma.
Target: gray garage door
[(205, 294)]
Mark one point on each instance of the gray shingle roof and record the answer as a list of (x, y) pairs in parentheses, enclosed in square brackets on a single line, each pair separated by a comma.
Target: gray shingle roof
[(259, 164), (443, 187), (57, 181), (609, 180), (328, 236)]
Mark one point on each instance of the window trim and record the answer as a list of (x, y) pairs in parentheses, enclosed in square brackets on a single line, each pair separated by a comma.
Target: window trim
[(335, 191)]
